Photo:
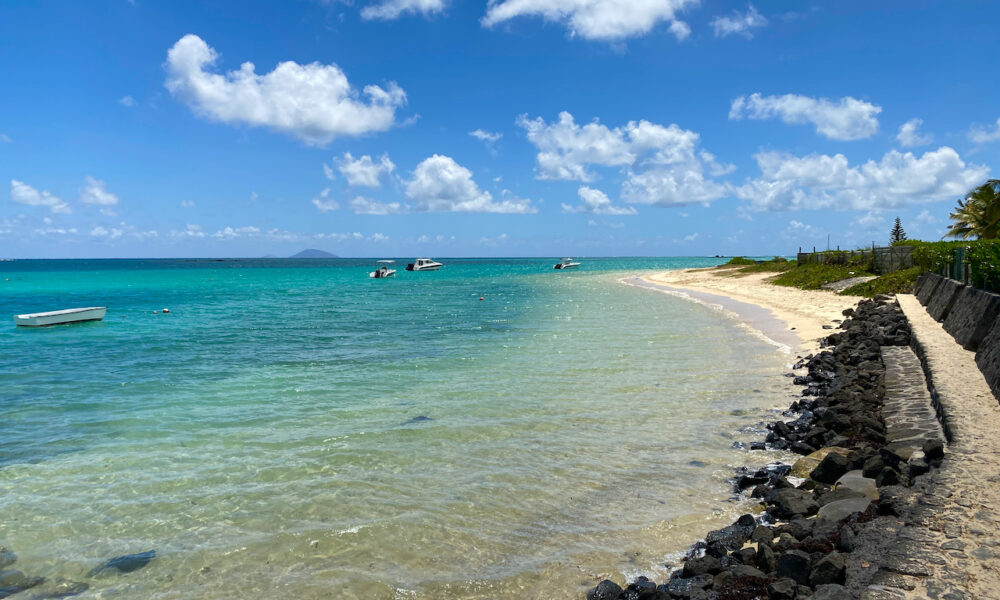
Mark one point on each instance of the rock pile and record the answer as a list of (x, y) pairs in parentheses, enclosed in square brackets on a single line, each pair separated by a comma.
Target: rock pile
[(814, 510)]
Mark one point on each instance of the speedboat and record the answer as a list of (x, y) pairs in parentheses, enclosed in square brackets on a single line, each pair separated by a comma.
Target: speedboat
[(567, 263), (424, 264), (383, 270), (61, 317)]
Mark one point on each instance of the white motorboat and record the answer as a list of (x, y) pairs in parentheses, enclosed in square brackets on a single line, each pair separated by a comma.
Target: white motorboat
[(566, 263), (383, 269), (424, 264), (61, 317)]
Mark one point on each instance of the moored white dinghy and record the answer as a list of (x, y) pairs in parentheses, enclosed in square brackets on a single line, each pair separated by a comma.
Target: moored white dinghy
[(60, 317)]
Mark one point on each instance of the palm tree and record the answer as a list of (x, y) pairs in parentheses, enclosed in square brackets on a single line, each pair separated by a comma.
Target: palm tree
[(978, 214)]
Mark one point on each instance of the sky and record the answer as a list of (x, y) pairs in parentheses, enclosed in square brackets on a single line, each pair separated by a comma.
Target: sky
[(403, 128)]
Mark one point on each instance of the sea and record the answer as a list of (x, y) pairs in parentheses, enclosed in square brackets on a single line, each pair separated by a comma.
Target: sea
[(296, 429)]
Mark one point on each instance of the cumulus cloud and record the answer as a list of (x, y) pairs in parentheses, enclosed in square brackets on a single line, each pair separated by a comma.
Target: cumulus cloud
[(127, 101), (739, 24), (440, 184), (328, 172), (662, 164), (312, 102), (187, 203), (366, 206), (393, 9), (231, 233), (95, 191), (820, 181), (909, 134), (596, 202), (607, 20), (846, 119), (869, 221), (324, 203), (364, 171), (23, 193), (189, 231), (983, 135), (121, 230)]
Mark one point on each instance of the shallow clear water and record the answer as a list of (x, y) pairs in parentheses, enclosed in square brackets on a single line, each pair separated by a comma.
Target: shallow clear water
[(295, 428)]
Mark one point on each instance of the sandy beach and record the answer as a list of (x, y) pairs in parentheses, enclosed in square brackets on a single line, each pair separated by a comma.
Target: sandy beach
[(800, 313)]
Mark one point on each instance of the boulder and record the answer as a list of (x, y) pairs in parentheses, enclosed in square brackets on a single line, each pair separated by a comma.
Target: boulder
[(805, 465), (7, 558), (13, 581), (791, 503), (782, 589), (972, 316), (832, 568), (831, 591), (856, 481), (124, 564), (766, 560), (679, 587), (641, 589), (794, 564), (831, 468), (606, 590), (701, 566), (940, 305), (836, 512)]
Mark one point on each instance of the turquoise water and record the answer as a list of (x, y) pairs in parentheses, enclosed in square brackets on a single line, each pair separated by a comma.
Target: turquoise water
[(294, 428)]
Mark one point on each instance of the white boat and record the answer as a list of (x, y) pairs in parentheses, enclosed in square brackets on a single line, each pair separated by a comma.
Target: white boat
[(424, 264), (382, 269), (60, 317), (566, 263)]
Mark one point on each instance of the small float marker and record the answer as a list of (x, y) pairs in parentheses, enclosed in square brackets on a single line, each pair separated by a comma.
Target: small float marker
[(480, 298), (166, 310)]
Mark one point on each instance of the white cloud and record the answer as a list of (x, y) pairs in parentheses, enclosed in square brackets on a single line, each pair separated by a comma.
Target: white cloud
[(328, 172), (486, 136), (596, 202), (909, 134), (5, 139), (187, 203), (312, 102), (984, 135), (869, 221), (440, 184), (95, 191), (662, 164), (596, 19), (56, 231), (230, 233), (365, 206), (128, 101), (739, 23), (364, 171), (847, 119), (324, 203), (820, 181), (23, 193), (393, 9), (926, 217), (379, 237), (799, 229), (123, 229), (189, 231), (691, 237)]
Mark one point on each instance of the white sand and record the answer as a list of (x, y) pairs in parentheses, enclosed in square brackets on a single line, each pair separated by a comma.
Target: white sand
[(804, 310)]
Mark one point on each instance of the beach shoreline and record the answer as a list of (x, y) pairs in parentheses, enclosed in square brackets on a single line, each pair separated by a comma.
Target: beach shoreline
[(788, 316)]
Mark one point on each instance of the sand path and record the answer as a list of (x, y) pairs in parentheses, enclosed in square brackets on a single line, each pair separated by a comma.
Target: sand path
[(807, 311)]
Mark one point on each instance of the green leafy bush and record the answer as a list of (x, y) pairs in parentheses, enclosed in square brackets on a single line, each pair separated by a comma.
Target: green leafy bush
[(982, 256), (899, 282), (739, 261), (813, 276)]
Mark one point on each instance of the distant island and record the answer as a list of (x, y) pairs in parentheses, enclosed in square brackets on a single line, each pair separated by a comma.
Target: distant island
[(313, 253)]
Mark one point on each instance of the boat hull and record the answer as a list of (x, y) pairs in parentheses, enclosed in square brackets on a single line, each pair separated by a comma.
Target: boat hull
[(61, 317)]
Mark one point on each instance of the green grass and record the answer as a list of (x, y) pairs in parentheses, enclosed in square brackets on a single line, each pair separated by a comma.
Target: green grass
[(775, 265), (739, 261), (813, 276), (900, 282)]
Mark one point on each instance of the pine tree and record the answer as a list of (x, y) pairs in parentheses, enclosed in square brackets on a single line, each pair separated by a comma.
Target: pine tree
[(897, 234)]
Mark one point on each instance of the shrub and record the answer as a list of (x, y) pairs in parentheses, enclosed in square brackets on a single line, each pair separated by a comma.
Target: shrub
[(899, 282), (740, 261)]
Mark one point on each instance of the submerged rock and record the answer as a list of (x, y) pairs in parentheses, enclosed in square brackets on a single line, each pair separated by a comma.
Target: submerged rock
[(60, 589), (124, 564), (13, 581), (7, 558), (606, 590)]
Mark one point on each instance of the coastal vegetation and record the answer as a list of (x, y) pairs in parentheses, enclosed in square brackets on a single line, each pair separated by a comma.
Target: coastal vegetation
[(898, 282), (978, 214)]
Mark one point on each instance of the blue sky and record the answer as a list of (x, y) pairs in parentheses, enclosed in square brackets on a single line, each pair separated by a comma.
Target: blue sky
[(488, 127)]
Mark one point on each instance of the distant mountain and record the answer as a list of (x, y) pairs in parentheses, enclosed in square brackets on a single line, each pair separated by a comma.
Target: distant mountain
[(313, 253)]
